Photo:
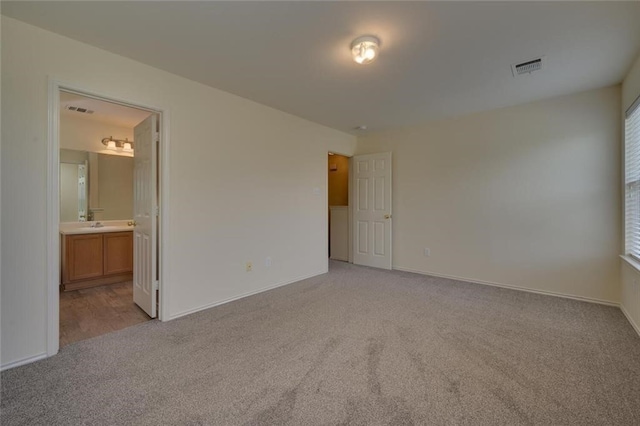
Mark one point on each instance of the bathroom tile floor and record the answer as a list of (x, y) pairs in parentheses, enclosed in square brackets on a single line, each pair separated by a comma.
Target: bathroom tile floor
[(95, 311)]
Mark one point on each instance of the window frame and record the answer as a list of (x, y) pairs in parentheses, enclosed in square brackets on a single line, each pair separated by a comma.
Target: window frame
[(632, 187)]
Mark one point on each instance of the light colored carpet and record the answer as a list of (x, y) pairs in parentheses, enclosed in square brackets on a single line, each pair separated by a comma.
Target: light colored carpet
[(354, 346)]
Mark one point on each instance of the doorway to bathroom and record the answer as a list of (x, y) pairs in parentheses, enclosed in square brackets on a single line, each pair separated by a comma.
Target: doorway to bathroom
[(108, 198)]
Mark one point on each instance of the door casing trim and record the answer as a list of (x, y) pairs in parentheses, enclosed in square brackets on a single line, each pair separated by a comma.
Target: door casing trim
[(52, 305)]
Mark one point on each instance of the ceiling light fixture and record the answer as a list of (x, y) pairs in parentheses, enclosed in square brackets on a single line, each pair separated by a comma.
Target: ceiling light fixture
[(365, 49)]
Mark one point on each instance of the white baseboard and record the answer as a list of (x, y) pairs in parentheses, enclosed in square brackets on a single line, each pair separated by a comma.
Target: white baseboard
[(241, 296), (635, 326), (513, 287), (23, 361)]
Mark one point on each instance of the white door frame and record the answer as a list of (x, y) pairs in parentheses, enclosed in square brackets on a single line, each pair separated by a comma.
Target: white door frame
[(53, 204)]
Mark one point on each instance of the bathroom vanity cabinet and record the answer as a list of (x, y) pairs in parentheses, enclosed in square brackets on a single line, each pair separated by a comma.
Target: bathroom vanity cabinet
[(94, 259)]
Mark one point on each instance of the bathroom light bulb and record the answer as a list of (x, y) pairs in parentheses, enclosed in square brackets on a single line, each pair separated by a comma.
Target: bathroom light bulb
[(370, 53)]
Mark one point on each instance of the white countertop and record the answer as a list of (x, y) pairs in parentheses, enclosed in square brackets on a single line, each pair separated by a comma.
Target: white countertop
[(74, 228)]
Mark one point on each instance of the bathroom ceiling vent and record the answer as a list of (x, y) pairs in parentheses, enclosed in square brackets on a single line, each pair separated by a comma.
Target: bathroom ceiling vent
[(79, 109), (527, 67)]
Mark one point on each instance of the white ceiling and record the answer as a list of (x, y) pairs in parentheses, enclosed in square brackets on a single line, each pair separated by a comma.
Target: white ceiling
[(104, 112), (436, 60)]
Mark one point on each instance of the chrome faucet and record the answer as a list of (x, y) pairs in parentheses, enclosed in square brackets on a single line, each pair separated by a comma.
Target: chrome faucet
[(97, 225)]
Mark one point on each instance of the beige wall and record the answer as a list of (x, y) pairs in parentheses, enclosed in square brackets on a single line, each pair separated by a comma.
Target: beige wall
[(220, 214), (631, 85), (630, 291), (526, 196)]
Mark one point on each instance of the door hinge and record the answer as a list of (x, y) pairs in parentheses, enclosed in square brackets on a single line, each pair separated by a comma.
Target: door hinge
[(156, 136), (156, 285), (156, 210)]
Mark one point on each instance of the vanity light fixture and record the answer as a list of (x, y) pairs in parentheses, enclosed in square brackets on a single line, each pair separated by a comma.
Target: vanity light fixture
[(365, 49), (118, 144)]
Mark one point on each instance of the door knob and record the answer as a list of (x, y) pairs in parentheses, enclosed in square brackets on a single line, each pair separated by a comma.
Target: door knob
[(133, 223), (387, 216)]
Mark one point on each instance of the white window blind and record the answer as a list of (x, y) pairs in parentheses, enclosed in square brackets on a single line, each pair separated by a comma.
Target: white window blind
[(632, 180)]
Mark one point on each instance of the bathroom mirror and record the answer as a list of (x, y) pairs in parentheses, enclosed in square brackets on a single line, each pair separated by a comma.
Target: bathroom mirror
[(95, 187)]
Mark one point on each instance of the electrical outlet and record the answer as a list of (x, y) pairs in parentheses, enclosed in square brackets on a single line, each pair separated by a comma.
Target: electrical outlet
[(249, 266), (267, 262), (427, 252)]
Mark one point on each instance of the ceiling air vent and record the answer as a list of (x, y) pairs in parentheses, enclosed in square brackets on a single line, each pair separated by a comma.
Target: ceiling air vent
[(79, 109), (527, 67)]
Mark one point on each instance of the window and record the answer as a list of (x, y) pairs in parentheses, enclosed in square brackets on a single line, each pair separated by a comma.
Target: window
[(632, 180)]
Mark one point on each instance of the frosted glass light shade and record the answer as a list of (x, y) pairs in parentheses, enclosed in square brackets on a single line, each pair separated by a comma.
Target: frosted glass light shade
[(365, 49)]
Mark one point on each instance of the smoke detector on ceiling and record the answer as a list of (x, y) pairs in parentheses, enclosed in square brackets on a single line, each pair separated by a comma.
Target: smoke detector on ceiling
[(528, 67), (79, 109)]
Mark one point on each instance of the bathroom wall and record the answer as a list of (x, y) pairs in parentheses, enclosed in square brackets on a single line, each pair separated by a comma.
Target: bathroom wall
[(84, 134)]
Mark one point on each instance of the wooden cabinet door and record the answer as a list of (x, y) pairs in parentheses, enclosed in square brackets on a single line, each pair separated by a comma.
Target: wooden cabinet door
[(84, 256), (118, 253)]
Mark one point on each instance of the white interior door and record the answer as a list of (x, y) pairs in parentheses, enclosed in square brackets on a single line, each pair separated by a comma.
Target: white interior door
[(372, 210), (144, 215)]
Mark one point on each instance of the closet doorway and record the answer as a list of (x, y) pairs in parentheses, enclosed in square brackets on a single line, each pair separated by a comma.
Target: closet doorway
[(338, 201)]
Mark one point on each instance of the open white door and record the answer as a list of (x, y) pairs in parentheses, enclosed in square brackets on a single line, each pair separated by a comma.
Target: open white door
[(144, 215), (372, 210)]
